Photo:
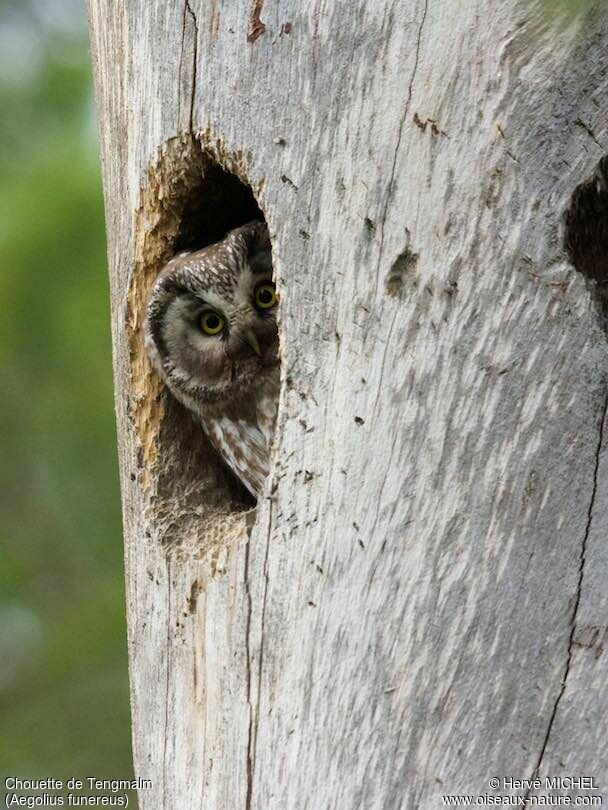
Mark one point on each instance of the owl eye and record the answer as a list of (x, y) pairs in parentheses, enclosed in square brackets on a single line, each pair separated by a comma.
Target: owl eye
[(211, 323), (266, 296)]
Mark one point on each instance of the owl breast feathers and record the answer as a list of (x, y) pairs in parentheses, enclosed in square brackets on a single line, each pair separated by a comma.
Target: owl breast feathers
[(211, 333)]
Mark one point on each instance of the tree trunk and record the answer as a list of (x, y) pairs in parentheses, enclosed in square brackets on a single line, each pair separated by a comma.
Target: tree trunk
[(420, 605)]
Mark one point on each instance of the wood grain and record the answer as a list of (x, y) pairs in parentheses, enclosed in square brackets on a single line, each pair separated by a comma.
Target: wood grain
[(421, 605)]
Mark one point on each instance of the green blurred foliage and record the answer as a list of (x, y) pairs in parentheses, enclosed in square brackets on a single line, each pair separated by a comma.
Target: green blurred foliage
[(63, 664)]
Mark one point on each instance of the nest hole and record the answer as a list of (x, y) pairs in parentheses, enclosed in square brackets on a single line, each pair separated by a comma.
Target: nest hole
[(195, 194), (586, 235), (217, 203)]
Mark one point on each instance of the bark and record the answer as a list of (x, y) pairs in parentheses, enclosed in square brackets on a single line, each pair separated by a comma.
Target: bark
[(420, 605)]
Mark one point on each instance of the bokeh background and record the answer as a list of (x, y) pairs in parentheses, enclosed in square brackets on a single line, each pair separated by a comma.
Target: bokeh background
[(63, 667), (64, 707)]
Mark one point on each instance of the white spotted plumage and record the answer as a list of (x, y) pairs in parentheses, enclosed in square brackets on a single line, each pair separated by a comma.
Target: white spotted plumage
[(243, 432), (230, 379)]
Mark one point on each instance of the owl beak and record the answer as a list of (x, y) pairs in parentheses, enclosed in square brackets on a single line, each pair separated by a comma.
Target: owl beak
[(251, 340)]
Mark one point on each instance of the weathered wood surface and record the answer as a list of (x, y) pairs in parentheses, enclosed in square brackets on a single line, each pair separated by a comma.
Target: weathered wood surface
[(421, 605)]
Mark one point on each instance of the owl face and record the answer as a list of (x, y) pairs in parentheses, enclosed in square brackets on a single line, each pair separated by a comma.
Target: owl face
[(211, 325)]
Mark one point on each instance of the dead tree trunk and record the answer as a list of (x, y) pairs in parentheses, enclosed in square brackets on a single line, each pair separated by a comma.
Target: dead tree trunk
[(420, 605)]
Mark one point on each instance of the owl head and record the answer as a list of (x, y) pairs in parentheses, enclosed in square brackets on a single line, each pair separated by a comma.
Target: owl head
[(211, 327)]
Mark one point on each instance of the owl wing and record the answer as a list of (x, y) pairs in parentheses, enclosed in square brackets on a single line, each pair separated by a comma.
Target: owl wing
[(243, 434), (266, 405)]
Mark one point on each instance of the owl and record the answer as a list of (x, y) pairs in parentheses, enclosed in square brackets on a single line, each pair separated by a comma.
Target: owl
[(211, 333)]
